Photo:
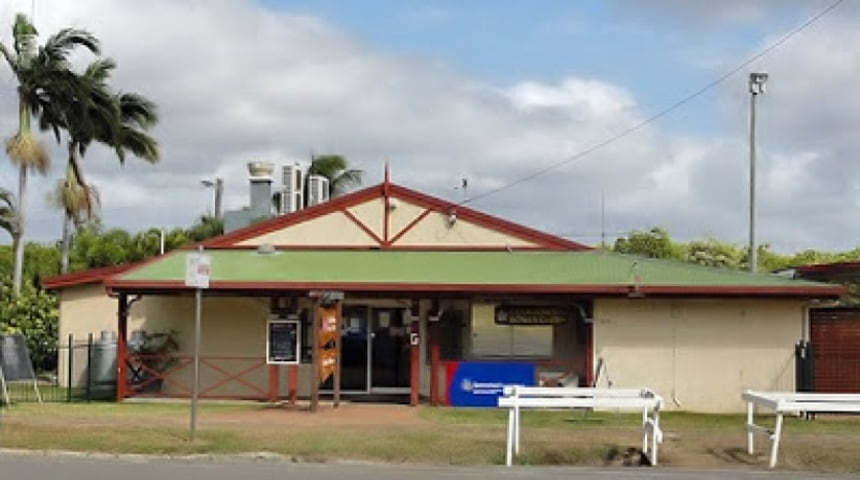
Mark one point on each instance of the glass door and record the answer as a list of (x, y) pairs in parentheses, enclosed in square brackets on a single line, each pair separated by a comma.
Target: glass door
[(389, 351)]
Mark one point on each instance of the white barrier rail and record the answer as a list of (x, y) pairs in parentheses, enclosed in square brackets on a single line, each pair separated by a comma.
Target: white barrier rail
[(788, 402), (516, 398)]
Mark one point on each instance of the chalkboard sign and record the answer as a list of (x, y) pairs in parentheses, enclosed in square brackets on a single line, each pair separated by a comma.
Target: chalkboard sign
[(282, 343), (15, 358)]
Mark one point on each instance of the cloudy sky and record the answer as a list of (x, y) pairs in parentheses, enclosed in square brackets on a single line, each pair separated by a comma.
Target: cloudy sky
[(492, 91)]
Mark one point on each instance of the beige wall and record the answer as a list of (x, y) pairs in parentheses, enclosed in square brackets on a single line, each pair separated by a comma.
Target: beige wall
[(698, 354), (337, 229), (85, 310)]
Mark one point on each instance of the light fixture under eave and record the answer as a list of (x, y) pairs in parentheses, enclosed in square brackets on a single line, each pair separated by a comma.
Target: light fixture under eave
[(452, 217), (266, 249)]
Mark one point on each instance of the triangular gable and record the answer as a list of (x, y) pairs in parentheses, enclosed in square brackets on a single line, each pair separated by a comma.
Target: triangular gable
[(388, 216)]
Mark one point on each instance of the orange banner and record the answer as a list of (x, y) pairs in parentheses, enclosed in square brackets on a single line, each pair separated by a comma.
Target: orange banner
[(328, 359), (328, 327)]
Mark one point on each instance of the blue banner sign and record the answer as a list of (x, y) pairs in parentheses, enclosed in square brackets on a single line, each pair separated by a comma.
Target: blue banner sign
[(480, 384)]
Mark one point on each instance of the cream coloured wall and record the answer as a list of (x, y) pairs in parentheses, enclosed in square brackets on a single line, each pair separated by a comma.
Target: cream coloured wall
[(435, 229), (233, 338), (84, 310), (698, 354), (372, 215), (333, 229)]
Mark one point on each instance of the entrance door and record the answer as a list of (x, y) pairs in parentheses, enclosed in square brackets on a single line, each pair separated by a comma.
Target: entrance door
[(389, 351), (355, 348)]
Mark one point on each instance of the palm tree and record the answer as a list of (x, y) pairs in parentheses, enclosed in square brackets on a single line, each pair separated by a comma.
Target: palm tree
[(45, 79), (9, 216), (335, 169), (119, 121)]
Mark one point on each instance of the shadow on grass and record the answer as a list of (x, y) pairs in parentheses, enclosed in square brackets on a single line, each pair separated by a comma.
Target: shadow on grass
[(733, 455)]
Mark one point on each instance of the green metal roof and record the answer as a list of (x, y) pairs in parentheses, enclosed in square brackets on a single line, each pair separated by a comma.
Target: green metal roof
[(234, 268)]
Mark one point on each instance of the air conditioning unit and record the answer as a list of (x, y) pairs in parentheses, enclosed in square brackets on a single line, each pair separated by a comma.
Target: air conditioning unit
[(292, 196), (317, 190)]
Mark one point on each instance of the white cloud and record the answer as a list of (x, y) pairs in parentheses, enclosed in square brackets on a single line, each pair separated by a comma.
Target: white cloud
[(237, 83)]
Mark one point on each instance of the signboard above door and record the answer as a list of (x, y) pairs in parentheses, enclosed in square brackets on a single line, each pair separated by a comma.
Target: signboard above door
[(531, 315)]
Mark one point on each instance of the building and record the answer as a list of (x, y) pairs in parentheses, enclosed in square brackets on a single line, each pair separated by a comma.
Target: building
[(422, 285)]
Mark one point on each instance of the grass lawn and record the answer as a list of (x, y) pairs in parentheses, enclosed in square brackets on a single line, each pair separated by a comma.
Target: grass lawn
[(395, 433)]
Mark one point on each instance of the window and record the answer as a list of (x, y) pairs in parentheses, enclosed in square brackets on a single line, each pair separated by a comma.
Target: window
[(493, 339)]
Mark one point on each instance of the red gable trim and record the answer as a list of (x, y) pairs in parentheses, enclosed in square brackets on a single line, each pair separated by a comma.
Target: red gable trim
[(838, 267), (383, 191), (612, 290), (93, 275)]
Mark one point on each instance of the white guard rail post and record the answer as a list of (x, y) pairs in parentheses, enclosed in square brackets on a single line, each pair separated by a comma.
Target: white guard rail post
[(515, 398), (790, 402)]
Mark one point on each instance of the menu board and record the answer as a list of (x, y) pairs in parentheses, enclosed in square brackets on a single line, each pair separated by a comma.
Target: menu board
[(283, 342)]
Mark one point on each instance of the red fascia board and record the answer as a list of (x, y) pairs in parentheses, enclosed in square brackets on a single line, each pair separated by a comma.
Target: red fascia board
[(824, 268), (546, 240), (93, 275), (277, 223), (657, 290)]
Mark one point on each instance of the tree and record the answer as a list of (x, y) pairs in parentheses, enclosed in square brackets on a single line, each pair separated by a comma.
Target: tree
[(44, 79), (119, 121), (9, 217), (335, 169), (654, 243)]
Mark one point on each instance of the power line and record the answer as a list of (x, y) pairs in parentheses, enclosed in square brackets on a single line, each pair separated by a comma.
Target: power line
[(665, 111)]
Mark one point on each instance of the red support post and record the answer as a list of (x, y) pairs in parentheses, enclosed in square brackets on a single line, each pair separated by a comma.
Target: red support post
[(121, 346), (434, 363), (273, 383), (292, 383), (414, 364)]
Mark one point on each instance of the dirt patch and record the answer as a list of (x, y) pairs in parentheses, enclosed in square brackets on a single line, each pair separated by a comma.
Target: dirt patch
[(347, 414)]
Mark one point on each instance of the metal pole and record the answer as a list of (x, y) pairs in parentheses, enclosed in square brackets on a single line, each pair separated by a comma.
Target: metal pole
[(219, 191), (89, 391), (195, 387), (753, 257)]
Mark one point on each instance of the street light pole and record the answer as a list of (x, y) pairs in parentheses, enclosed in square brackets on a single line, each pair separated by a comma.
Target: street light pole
[(218, 185), (756, 87)]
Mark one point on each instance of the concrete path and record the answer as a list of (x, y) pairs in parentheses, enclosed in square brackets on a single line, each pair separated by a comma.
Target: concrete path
[(31, 466)]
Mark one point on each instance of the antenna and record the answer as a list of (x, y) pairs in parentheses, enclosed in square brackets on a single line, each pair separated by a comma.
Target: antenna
[(603, 219), (464, 183)]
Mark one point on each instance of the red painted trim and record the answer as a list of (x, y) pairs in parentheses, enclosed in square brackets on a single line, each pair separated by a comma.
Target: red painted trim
[(411, 225), (386, 189), (386, 213), (277, 223), (614, 290), (292, 382), (545, 240), (837, 267), (405, 248), (414, 364), (362, 226), (93, 275), (434, 363), (273, 383)]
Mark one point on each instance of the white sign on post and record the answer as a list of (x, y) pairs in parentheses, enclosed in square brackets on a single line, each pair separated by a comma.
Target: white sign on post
[(197, 269)]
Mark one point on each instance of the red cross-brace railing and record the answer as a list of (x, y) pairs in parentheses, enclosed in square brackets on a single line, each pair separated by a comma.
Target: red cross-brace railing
[(143, 374)]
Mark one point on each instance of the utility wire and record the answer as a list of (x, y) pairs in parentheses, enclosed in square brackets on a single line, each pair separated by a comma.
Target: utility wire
[(665, 111)]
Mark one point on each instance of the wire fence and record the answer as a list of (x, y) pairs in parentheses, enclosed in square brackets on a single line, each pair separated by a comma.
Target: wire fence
[(85, 370)]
